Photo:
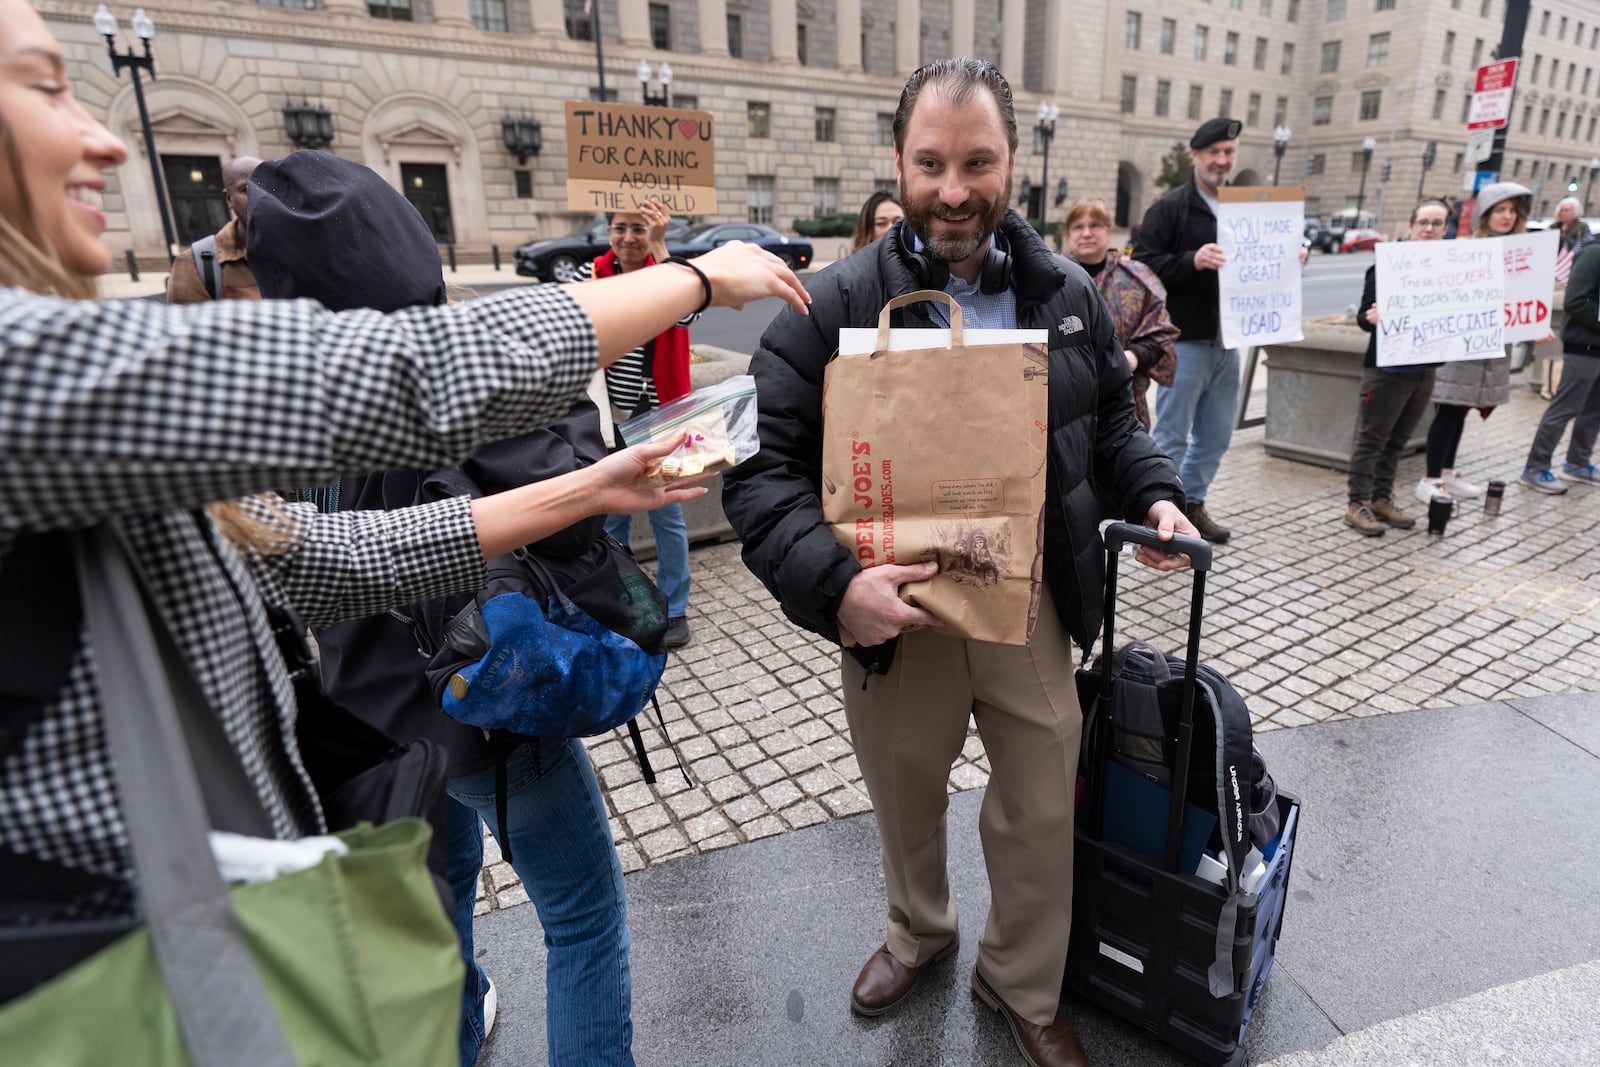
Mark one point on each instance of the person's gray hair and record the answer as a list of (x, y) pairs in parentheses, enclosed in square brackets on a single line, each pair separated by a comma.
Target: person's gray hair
[(1574, 201), (957, 79)]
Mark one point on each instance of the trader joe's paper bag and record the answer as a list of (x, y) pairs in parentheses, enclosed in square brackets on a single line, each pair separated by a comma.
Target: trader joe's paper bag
[(933, 448)]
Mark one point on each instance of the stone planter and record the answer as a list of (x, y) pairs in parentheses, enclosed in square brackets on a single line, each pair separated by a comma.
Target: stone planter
[(1312, 396), (703, 516)]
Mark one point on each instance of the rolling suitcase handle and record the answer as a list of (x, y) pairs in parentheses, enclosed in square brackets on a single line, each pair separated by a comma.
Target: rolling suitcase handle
[(1116, 535)]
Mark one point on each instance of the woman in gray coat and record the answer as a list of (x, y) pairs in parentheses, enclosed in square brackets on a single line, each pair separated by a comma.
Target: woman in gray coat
[(1462, 385)]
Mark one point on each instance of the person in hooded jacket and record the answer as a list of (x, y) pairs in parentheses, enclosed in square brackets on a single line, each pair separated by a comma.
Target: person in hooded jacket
[(348, 240), (909, 690)]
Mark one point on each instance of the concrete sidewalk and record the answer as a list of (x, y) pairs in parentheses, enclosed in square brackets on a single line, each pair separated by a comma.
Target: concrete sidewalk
[(1440, 903)]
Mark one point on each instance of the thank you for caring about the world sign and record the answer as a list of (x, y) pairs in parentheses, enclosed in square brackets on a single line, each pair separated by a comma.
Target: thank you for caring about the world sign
[(620, 155), (1440, 301), (1260, 232)]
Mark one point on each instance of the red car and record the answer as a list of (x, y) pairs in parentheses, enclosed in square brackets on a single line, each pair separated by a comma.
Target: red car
[(1359, 240)]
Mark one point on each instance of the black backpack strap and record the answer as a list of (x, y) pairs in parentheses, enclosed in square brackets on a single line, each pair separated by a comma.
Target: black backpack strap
[(205, 264), (648, 771), (41, 623)]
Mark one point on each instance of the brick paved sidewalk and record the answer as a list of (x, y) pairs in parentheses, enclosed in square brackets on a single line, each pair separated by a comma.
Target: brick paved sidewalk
[(1309, 619)]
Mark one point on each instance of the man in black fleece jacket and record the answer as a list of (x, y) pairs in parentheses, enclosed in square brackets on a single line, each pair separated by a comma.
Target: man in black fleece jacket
[(909, 689), (1578, 399)]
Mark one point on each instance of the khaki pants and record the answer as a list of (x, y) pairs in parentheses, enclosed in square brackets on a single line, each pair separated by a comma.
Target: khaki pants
[(908, 727)]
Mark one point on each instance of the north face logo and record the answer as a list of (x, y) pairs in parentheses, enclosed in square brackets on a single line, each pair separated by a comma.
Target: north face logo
[(1070, 325)]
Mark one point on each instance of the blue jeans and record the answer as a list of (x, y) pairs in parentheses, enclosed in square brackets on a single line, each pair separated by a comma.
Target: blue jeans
[(1196, 413), (672, 552), (561, 848)]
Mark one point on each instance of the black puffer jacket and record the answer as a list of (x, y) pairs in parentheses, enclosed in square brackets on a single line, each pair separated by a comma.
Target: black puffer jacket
[(1102, 464), (1174, 228)]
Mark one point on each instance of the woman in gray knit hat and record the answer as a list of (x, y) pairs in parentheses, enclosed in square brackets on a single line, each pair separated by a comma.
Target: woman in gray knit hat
[(1485, 384)]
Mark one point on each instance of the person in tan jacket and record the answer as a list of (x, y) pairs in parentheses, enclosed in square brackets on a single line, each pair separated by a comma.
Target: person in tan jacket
[(187, 284)]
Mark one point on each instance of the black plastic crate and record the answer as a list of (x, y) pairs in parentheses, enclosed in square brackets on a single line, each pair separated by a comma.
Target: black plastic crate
[(1143, 939)]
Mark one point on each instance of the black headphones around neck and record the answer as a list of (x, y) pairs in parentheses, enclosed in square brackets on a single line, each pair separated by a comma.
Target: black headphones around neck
[(993, 277)]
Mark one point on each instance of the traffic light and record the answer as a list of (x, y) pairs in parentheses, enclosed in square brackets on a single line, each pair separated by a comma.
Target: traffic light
[(1388, 168), (1572, 185)]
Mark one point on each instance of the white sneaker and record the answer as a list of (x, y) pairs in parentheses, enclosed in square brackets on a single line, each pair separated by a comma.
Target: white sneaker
[(1428, 488), (491, 1002), (1460, 488)]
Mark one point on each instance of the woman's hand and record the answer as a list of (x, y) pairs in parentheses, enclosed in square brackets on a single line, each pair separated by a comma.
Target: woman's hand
[(739, 273), (624, 481), (1372, 314)]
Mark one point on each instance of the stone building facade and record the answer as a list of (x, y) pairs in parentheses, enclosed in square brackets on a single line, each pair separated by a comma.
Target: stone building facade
[(803, 90)]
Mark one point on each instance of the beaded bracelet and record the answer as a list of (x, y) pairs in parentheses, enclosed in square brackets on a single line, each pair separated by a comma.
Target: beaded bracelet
[(705, 283)]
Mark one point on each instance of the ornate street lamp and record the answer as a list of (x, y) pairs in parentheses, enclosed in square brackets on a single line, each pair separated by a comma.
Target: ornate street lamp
[(145, 30), (522, 136), (1368, 144), (665, 75), (1280, 144), (1048, 113), (307, 126)]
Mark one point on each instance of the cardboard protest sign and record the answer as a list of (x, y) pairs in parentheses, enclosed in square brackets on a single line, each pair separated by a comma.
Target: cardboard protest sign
[(1440, 301), (1530, 260), (1260, 231), (933, 448), (620, 155)]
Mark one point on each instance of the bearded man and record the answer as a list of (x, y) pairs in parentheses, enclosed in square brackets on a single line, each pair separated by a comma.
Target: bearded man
[(910, 689)]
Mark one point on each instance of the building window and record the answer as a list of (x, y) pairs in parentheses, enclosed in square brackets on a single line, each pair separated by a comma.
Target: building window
[(1169, 32), (1287, 64), (1555, 68), (1336, 10), (1592, 120), (1201, 39), (1561, 124), (1225, 102), (1293, 14), (524, 179), (736, 36), (1314, 206), (1261, 53), (1371, 101), (1538, 62), (1572, 69), (1483, 8), (1163, 101), (1477, 53), (579, 27), (758, 121), (758, 198), (298, 5), (687, 103), (1317, 164), (1330, 56), (1266, 9), (1252, 115), (1236, 5), (609, 96), (661, 27), (1449, 47), (824, 123), (801, 44), (1544, 25), (1280, 112), (394, 10), (1527, 115), (1132, 23), (824, 196), (1544, 120), (1587, 73), (1594, 37), (1130, 93), (1356, 161), (1377, 50), (1458, 161), (488, 15), (1561, 30), (1385, 5), (1196, 96), (1230, 49), (1516, 169), (885, 128), (1438, 105), (1322, 111), (1466, 107)]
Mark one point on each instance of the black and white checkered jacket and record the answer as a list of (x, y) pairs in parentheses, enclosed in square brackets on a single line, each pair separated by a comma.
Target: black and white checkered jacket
[(143, 412)]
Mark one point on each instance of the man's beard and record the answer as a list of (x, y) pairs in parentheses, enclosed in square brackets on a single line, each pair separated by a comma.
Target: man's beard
[(951, 248)]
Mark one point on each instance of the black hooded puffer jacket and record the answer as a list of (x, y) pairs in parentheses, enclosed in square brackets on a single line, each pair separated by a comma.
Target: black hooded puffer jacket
[(1102, 464)]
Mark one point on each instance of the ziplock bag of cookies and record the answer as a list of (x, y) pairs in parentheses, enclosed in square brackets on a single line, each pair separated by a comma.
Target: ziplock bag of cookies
[(721, 423)]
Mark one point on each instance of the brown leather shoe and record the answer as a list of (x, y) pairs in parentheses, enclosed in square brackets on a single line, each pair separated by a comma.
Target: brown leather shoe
[(885, 981), (1055, 1045), (1384, 510)]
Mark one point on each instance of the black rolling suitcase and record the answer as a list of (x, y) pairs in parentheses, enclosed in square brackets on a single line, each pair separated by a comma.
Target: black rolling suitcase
[(1178, 956)]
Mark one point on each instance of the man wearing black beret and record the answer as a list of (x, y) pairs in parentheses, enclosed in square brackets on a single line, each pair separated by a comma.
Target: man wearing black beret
[(1178, 240)]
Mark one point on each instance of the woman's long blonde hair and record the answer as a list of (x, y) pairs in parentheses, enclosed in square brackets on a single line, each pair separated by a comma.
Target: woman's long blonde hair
[(27, 261)]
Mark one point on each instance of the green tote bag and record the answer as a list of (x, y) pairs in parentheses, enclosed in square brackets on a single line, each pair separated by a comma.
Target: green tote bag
[(351, 962)]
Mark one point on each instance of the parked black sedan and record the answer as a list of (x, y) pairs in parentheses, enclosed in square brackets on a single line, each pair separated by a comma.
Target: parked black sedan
[(795, 251), (558, 259)]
